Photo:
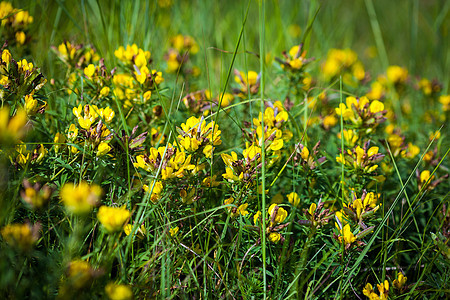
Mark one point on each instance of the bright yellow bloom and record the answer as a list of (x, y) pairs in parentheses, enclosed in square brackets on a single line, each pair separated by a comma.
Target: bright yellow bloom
[(241, 210), (376, 106), (425, 176), (274, 237), (293, 198), (80, 199), (6, 56), (257, 217), (89, 71), (103, 148), (397, 74), (157, 190), (312, 209), (346, 235), (104, 92), (73, 133), (118, 291), (280, 216), (383, 288), (435, 135), (113, 218)]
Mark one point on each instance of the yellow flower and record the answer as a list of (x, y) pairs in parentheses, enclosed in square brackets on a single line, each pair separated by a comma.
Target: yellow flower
[(280, 216), (157, 190), (242, 209), (376, 106), (12, 129), (276, 145), (227, 98), (140, 232), (305, 153), (58, 140), (329, 121), (293, 198), (174, 231), (104, 92), (118, 291), (383, 288), (257, 217), (113, 218), (425, 176), (80, 199), (20, 235), (103, 148), (397, 74), (368, 291), (107, 114), (274, 237), (20, 37), (73, 133), (80, 273), (400, 281), (346, 235), (435, 135), (39, 153), (6, 56), (312, 209), (190, 144), (444, 100), (89, 71)]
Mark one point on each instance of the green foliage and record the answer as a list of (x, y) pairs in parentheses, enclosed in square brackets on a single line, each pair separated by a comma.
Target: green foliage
[(147, 151)]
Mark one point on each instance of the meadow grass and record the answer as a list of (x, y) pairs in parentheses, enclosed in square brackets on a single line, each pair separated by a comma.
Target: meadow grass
[(239, 150)]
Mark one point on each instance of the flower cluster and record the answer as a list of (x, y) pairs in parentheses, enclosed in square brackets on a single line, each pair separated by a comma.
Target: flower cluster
[(362, 112), (343, 62), (15, 24)]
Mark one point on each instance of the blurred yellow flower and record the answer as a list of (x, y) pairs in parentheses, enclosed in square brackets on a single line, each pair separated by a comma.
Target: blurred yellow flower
[(80, 199), (118, 291), (21, 236), (113, 218)]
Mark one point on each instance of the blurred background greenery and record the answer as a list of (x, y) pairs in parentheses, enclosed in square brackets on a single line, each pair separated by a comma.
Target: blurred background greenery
[(414, 33)]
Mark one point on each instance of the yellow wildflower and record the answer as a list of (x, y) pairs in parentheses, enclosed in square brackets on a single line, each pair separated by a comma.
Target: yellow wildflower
[(277, 218), (104, 92), (140, 232), (274, 237), (113, 218), (293, 198), (400, 281), (118, 291), (80, 199), (173, 231), (103, 148)]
